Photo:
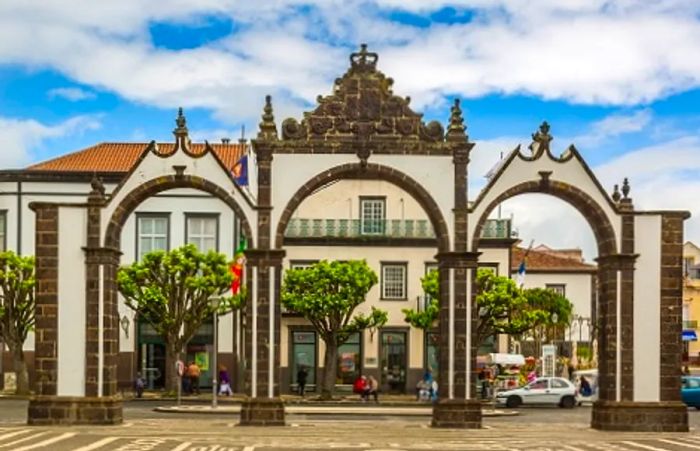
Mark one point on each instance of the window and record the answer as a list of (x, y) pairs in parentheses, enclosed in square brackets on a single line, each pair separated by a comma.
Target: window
[(394, 281), (372, 215), (540, 384), (301, 264), (558, 383), (349, 360), (303, 355), (3, 230), (202, 231), (153, 234), (558, 288)]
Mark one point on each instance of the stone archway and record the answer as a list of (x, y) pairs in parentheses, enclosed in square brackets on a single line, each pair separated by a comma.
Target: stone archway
[(371, 171), (148, 189)]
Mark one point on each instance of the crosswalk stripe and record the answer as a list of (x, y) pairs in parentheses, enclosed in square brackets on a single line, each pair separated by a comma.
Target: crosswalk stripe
[(99, 444), (673, 442), (24, 439), (12, 434), (182, 446), (649, 447), (46, 442)]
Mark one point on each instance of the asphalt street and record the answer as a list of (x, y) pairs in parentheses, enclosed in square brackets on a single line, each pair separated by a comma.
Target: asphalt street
[(144, 429)]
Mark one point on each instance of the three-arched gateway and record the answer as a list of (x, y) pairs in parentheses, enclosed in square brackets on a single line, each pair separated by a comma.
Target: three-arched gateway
[(364, 132)]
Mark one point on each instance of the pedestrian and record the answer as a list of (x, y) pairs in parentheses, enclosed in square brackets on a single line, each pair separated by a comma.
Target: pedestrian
[(224, 382), (301, 380), (686, 371), (360, 387), (185, 379), (373, 388), (139, 385), (585, 387), (194, 372)]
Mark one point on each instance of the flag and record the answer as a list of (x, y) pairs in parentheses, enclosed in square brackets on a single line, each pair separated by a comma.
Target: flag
[(237, 267), (521, 273), (240, 171)]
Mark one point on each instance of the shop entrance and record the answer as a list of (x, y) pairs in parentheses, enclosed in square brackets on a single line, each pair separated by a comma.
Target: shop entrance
[(393, 361)]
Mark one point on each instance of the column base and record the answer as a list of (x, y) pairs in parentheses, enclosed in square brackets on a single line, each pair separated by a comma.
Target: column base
[(457, 414), (70, 410), (262, 412), (666, 416)]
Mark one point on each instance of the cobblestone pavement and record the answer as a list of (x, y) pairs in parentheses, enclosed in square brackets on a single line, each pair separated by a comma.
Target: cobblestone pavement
[(220, 435)]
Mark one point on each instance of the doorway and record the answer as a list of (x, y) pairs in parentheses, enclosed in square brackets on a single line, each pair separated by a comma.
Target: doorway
[(394, 362)]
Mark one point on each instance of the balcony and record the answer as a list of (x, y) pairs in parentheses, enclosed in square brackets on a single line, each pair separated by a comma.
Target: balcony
[(691, 324), (388, 228)]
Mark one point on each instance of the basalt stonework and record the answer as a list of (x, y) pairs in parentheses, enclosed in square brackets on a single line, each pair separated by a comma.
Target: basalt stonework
[(262, 412), (457, 414), (72, 410), (628, 416)]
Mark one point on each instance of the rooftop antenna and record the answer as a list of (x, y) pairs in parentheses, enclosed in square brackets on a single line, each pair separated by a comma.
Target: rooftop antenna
[(242, 140)]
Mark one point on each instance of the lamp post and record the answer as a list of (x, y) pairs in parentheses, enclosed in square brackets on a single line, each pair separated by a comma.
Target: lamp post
[(215, 307)]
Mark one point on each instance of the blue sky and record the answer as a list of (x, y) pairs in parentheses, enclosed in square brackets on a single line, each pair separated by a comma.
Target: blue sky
[(618, 78)]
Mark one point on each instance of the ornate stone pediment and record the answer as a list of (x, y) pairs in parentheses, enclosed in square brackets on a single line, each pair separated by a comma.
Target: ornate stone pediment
[(362, 107)]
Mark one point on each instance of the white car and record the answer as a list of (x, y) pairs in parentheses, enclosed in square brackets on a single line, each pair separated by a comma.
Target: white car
[(543, 390)]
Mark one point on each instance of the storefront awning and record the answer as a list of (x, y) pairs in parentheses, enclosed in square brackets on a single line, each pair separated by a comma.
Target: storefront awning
[(689, 335)]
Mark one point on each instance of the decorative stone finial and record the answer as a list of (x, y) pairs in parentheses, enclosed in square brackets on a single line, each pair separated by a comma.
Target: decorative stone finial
[(541, 140), (456, 126), (616, 196), (625, 188), (268, 129), (364, 60), (98, 189), (182, 139)]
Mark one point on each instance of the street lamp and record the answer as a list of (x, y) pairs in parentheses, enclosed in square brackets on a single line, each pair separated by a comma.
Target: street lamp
[(214, 391)]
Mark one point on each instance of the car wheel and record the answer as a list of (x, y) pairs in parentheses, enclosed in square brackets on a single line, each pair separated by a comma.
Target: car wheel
[(567, 402), (513, 401)]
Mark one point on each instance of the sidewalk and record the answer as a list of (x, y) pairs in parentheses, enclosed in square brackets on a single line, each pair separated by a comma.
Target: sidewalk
[(359, 409)]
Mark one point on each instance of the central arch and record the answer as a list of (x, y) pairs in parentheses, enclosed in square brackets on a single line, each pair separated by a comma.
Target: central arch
[(370, 171), (154, 186)]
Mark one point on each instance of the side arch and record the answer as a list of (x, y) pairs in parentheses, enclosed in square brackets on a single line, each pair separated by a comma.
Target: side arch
[(371, 171), (154, 186), (589, 209)]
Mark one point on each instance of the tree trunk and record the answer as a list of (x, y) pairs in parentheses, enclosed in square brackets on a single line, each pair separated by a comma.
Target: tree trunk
[(172, 355), (20, 368), (330, 364)]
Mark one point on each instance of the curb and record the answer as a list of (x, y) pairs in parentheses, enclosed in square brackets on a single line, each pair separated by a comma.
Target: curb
[(312, 410)]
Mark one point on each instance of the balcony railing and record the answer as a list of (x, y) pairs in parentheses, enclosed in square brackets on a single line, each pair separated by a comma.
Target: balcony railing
[(385, 228), (691, 324), (496, 228)]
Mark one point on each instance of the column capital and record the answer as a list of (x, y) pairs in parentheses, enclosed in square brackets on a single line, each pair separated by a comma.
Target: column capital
[(265, 257), (617, 261), (458, 259), (101, 254)]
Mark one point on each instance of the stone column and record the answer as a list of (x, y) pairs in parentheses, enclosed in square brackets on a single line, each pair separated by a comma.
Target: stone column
[(263, 407), (457, 406)]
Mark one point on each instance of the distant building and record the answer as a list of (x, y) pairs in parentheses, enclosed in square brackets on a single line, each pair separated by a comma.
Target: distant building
[(691, 301)]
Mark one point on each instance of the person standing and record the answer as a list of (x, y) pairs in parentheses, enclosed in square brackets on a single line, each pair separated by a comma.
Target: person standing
[(194, 372), (301, 380), (139, 385)]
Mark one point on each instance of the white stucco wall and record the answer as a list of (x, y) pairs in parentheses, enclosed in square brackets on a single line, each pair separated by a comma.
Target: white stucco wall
[(647, 308), (72, 224)]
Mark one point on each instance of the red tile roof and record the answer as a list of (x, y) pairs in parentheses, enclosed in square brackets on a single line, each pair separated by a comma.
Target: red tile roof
[(542, 261), (121, 157)]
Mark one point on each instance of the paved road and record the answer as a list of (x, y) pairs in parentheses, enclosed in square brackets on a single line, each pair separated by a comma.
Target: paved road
[(145, 430)]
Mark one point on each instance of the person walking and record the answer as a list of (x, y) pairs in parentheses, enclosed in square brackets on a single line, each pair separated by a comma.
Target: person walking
[(185, 379), (224, 382), (301, 380), (139, 385), (194, 372)]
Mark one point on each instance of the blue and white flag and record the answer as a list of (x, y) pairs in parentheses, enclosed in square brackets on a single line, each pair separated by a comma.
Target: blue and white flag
[(240, 171), (521, 273)]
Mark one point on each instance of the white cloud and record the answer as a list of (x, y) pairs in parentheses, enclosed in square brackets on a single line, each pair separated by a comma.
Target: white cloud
[(73, 94), (21, 137), (613, 126), (599, 51)]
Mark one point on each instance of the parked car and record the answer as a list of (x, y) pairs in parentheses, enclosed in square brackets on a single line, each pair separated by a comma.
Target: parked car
[(543, 390), (690, 391)]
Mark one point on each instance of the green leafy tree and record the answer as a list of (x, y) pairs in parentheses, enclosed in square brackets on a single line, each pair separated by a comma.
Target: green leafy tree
[(551, 313), (173, 292), (327, 294), (502, 307), (17, 282)]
